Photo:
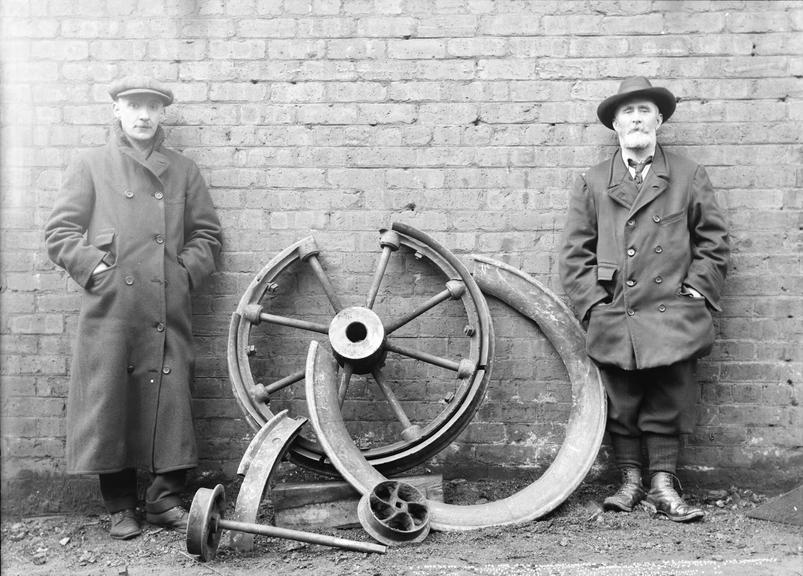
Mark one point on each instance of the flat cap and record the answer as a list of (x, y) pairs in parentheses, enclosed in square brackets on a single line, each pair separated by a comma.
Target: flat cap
[(140, 85)]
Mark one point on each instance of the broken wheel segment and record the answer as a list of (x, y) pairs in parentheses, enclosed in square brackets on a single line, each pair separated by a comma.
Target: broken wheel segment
[(205, 526), (363, 342)]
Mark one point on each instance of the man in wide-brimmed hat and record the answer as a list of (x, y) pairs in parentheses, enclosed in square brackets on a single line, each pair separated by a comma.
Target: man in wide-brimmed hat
[(134, 226), (643, 260)]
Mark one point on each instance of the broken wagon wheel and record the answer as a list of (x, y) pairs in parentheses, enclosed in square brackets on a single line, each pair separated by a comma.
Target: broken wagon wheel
[(363, 342), (205, 525)]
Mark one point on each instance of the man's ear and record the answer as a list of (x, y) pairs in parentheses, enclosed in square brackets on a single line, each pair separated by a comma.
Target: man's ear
[(116, 109), (660, 120)]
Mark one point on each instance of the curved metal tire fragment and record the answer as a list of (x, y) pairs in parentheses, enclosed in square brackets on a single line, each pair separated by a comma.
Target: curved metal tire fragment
[(261, 458), (584, 430)]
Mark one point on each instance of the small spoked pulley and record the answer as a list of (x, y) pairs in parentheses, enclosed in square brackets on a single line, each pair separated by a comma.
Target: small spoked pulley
[(423, 349), (394, 513)]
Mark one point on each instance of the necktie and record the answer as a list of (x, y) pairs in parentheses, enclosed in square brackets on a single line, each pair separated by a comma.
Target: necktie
[(639, 167)]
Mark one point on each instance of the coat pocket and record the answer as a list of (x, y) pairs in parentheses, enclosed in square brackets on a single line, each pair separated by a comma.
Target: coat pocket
[(672, 218), (606, 272), (104, 239)]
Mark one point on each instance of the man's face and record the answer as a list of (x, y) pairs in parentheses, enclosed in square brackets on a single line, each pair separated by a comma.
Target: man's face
[(139, 115), (636, 123)]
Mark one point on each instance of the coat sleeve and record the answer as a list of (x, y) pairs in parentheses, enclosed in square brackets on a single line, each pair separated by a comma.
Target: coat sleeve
[(67, 224), (202, 234), (578, 256), (709, 241)]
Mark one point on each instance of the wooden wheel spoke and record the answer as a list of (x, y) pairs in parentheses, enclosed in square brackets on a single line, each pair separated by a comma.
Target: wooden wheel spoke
[(294, 323), (395, 405), (426, 306), (423, 356), (262, 393), (378, 275), (345, 380), (326, 283)]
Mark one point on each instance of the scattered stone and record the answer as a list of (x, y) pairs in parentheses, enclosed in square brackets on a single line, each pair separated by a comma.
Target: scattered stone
[(86, 557), (40, 556), (64, 541)]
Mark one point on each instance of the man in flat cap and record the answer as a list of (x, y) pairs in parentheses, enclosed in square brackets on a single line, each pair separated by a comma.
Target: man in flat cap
[(643, 261), (134, 226)]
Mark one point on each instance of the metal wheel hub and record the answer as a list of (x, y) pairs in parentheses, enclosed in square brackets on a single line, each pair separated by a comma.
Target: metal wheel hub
[(358, 336)]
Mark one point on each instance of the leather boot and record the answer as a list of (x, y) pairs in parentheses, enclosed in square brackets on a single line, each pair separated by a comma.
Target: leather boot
[(629, 494), (668, 502)]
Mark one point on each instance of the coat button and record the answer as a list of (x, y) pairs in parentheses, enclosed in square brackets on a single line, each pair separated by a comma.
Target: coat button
[(631, 312), (130, 368), (160, 239), (661, 308), (129, 280), (631, 251), (658, 249), (160, 326), (631, 222), (631, 282), (158, 195), (166, 370), (658, 279), (128, 194), (656, 218)]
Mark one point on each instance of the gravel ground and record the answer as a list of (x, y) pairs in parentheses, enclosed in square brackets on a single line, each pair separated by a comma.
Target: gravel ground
[(576, 539)]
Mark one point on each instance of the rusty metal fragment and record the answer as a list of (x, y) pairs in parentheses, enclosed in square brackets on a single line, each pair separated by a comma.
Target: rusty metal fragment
[(260, 460)]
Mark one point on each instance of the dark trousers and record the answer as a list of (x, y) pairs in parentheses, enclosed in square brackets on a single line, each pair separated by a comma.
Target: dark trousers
[(655, 406), (119, 490)]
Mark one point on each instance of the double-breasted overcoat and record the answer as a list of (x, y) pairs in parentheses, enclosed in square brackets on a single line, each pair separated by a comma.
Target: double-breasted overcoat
[(629, 256), (152, 218)]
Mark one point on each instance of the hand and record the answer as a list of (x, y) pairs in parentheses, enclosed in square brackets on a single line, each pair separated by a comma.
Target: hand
[(694, 293), (100, 268)]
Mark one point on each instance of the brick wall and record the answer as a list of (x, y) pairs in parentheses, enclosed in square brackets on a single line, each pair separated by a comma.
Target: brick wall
[(468, 119)]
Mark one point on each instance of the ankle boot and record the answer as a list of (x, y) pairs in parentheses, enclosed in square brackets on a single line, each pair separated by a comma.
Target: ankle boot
[(629, 494), (668, 502)]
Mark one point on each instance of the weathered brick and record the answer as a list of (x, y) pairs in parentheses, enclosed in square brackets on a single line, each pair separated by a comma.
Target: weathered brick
[(415, 48), (385, 26)]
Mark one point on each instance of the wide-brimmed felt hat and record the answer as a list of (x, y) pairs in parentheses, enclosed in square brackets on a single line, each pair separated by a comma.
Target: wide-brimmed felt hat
[(634, 88), (131, 85)]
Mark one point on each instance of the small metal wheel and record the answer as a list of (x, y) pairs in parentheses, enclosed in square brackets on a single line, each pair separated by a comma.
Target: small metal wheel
[(365, 342), (203, 523), (394, 513)]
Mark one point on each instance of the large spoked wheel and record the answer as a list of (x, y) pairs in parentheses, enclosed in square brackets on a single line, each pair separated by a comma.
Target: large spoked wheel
[(365, 343)]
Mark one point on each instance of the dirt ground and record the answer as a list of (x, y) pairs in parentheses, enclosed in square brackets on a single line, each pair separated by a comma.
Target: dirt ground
[(576, 539)]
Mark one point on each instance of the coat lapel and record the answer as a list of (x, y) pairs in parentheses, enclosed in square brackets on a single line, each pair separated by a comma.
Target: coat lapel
[(621, 187), (156, 162), (656, 182)]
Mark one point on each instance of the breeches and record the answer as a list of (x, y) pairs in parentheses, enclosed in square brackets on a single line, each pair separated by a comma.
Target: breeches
[(656, 400)]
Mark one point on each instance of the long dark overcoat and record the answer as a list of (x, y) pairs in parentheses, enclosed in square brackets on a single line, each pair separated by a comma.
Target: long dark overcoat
[(153, 219), (628, 257)]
